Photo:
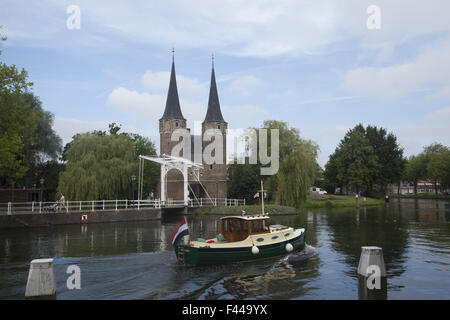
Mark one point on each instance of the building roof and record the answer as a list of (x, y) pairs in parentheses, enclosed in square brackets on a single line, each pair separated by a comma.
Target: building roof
[(213, 114), (173, 109)]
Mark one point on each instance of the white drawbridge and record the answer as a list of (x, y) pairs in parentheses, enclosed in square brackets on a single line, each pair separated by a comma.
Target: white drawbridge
[(168, 163)]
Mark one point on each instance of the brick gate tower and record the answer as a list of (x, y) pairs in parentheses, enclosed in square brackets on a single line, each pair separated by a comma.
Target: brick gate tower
[(213, 177)]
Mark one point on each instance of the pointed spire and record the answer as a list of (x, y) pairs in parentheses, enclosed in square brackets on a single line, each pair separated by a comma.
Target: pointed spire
[(213, 114), (173, 109)]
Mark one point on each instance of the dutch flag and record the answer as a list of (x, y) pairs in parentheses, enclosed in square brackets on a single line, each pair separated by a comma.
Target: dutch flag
[(181, 232)]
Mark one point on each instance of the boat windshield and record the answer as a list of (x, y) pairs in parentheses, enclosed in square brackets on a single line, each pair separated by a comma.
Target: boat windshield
[(236, 229)]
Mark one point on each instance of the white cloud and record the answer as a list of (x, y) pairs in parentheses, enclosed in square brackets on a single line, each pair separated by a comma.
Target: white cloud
[(244, 116), (327, 137), (413, 138), (240, 28), (430, 68), (137, 104), (159, 82), (145, 107), (244, 85), (442, 93), (439, 116), (66, 128)]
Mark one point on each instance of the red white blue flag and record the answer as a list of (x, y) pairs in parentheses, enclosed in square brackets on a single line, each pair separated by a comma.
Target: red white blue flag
[(181, 232)]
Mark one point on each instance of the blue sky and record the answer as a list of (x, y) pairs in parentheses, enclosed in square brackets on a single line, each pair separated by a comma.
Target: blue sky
[(314, 64)]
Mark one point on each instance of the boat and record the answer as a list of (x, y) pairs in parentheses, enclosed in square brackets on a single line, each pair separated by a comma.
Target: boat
[(242, 238)]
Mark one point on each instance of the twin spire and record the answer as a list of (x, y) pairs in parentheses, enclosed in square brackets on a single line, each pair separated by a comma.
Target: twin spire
[(173, 109)]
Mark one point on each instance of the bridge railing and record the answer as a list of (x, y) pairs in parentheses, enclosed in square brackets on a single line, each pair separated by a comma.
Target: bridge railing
[(216, 202), (103, 205)]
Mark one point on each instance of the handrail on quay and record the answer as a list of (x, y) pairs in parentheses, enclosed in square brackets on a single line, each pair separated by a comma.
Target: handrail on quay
[(102, 205)]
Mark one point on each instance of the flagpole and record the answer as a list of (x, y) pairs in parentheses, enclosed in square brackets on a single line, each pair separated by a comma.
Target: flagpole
[(262, 199), (189, 234)]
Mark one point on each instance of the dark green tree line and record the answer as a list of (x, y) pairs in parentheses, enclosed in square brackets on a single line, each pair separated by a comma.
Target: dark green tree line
[(27, 140), (433, 164), (366, 158)]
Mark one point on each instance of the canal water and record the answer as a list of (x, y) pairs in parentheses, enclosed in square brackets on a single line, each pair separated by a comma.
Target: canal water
[(135, 260)]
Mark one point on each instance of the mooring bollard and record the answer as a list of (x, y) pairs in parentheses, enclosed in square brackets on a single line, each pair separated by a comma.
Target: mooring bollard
[(372, 282), (357, 200), (41, 279)]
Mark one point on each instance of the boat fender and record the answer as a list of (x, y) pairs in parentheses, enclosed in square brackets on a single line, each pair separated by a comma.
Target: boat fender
[(255, 250), (289, 247)]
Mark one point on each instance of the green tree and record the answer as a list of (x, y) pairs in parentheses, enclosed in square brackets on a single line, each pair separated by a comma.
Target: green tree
[(152, 170), (244, 181), (436, 158), (45, 146), (297, 174), (99, 165), (18, 123), (415, 169), (364, 158), (390, 156), (297, 161), (357, 160), (331, 172)]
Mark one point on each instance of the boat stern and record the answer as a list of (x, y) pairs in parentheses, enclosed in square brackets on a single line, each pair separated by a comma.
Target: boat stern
[(186, 254)]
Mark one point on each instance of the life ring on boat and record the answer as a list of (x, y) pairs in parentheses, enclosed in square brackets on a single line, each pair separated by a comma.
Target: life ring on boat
[(289, 247), (255, 250)]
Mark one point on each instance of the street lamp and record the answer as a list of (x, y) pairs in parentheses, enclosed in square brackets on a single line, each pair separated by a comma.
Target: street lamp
[(217, 188), (133, 177), (42, 184)]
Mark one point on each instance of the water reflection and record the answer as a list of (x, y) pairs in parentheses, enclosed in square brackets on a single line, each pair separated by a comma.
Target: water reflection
[(134, 260)]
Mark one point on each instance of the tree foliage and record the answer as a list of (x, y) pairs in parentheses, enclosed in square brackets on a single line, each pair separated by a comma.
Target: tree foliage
[(27, 140), (244, 181), (99, 165), (18, 123), (433, 164), (45, 147), (297, 173), (365, 157), (297, 168)]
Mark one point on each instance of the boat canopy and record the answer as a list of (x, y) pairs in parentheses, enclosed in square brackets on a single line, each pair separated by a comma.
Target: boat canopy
[(253, 217), (238, 228)]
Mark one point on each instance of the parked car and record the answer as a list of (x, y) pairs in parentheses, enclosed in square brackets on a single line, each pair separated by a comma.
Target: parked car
[(317, 190)]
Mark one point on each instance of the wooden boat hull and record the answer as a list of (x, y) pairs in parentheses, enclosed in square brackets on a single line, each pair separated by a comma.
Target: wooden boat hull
[(191, 255)]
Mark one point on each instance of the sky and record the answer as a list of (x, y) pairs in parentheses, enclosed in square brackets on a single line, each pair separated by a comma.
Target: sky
[(318, 65)]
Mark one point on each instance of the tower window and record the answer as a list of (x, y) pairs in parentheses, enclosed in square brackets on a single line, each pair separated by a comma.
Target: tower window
[(176, 124), (210, 166), (218, 126)]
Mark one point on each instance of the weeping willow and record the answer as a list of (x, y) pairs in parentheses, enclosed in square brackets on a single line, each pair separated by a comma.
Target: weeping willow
[(296, 174), (98, 167)]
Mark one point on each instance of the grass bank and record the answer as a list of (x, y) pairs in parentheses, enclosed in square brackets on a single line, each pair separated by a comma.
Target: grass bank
[(341, 202), (272, 209)]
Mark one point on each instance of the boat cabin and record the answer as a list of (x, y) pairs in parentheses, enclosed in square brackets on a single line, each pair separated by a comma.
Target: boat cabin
[(238, 228)]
